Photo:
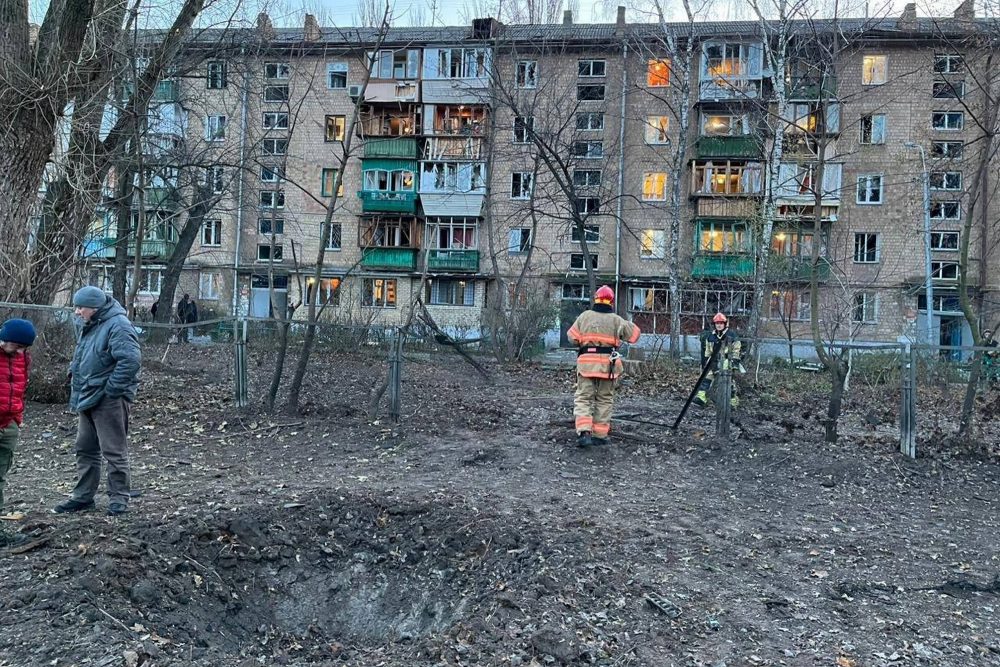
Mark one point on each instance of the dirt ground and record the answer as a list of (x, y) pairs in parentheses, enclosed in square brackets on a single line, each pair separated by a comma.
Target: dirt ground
[(475, 533)]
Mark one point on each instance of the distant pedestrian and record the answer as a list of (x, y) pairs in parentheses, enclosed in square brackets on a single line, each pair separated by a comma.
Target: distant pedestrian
[(182, 309), (104, 378), (154, 308), (16, 336)]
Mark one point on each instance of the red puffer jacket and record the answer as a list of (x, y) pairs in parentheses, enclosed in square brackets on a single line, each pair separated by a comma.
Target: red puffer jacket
[(13, 381)]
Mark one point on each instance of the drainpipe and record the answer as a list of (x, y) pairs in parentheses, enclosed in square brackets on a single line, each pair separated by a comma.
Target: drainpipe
[(621, 171), (245, 104)]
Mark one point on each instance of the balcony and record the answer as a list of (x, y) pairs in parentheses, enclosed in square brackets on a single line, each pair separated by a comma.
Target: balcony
[(388, 201), (796, 269), (453, 260), (735, 147), (397, 259), (155, 198), (102, 247), (391, 148), (159, 249), (722, 266), (724, 207), (811, 88), (166, 91)]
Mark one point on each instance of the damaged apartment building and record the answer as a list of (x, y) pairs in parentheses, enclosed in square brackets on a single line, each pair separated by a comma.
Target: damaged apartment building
[(445, 190)]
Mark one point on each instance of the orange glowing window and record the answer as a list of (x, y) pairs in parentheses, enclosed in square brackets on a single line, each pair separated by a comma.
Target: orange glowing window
[(658, 73)]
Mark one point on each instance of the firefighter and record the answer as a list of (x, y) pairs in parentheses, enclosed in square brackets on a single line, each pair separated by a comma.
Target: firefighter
[(728, 356), (597, 333)]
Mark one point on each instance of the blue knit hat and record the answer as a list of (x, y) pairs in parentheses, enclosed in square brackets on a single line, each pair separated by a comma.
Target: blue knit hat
[(21, 332), (90, 297)]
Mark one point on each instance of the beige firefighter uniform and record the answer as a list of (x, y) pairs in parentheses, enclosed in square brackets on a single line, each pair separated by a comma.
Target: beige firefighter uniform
[(598, 333)]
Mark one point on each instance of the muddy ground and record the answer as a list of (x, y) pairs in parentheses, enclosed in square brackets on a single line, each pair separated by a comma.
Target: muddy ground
[(475, 533)]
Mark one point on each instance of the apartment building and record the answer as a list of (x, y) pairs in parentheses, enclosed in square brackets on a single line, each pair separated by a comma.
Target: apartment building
[(478, 150)]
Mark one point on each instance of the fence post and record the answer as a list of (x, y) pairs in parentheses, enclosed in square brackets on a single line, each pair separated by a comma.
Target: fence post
[(240, 358), (723, 396), (908, 409), (395, 377)]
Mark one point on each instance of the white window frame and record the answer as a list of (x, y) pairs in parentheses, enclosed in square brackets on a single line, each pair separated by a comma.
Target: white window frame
[(953, 63), (867, 190), (947, 150), (945, 177), (272, 199), (215, 127), (870, 125), (653, 244), (654, 178), (937, 241), (339, 236), (592, 232), (656, 132), (266, 93), (215, 177), (277, 71), (590, 64), (368, 287), (588, 180), (868, 305), (874, 69), (518, 241), (278, 251), (217, 73), (862, 257), (524, 181), (942, 270), (211, 233), (272, 173), (276, 224), (944, 206), (146, 286), (589, 153), (210, 289), (587, 206), (527, 128), (526, 74), (468, 293), (337, 68), (274, 120), (589, 125), (274, 144), (942, 121), (952, 90)]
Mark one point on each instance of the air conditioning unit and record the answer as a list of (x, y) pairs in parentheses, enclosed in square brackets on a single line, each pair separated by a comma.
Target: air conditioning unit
[(354, 92)]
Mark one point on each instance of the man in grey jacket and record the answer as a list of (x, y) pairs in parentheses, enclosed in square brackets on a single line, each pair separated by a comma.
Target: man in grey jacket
[(104, 379)]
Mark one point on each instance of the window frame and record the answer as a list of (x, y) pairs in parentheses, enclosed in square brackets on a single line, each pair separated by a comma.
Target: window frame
[(211, 229), (275, 142), (333, 68), (215, 293), (277, 198), (522, 70), (943, 187), (652, 133), (468, 292), (941, 234), (944, 206), (276, 171), (588, 153), (274, 226), (274, 116), (871, 118), (591, 232), (946, 152), (282, 70), (368, 298), (279, 253), (324, 191), (523, 235), (526, 124), (220, 77), (868, 306), (881, 190), (658, 80), (215, 127), (875, 69), (946, 126), (595, 87), (948, 58), (651, 176), (339, 124), (581, 265), (339, 227), (656, 248), (867, 255), (522, 177), (591, 62), (957, 88), (589, 116), (267, 93), (938, 270)]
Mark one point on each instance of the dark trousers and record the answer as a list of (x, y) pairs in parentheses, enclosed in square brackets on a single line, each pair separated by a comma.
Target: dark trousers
[(8, 445), (103, 431)]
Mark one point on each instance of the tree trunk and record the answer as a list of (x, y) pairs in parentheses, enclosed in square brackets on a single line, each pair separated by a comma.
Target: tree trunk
[(838, 377)]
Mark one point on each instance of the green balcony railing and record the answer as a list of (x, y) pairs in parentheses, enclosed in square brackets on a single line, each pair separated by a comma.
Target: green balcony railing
[(740, 147), (153, 248), (453, 260), (722, 266), (399, 259), (388, 202), (795, 269), (101, 247), (400, 147)]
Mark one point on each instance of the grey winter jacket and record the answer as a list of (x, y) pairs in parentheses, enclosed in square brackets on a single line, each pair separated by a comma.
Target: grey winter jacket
[(106, 360)]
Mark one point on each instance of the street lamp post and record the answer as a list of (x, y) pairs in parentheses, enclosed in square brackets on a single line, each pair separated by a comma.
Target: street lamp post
[(928, 282)]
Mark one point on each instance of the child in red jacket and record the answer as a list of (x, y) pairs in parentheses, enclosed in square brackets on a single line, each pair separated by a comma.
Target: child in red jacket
[(16, 336)]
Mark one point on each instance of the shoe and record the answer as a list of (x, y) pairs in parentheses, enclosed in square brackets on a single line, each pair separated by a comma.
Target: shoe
[(71, 506), (117, 509), (9, 538), (599, 442), (734, 402), (584, 440), (701, 399)]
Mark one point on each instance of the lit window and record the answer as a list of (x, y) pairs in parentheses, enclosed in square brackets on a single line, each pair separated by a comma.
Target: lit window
[(658, 73), (874, 70)]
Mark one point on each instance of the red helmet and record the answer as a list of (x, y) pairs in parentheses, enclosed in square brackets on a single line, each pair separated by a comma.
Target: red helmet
[(604, 294), (720, 318)]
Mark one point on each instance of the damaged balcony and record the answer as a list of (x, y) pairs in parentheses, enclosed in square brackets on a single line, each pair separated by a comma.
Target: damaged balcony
[(389, 243)]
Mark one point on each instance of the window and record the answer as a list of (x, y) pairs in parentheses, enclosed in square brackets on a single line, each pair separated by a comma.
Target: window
[(402, 64), (653, 244), (727, 178), (276, 93), (215, 178), (215, 128), (274, 146), (272, 174), (949, 150), (335, 128), (211, 233), (276, 120), (946, 210), (592, 67), (948, 90), (656, 129), (577, 263), (724, 61), (865, 308), (944, 270), (793, 244), (460, 64), (215, 77), (592, 232), (209, 286), (588, 206), (724, 125), (272, 199), (589, 150), (277, 70), (381, 180), (451, 293), (946, 180), (453, 233), (526, 74), (948, 120), (590, 92), (268, 253), (269, 226), (721, 238), (870, 189), (336, 75), (648, 300), (590, 120), (654, 186), (948, 63), (874, 70), (658, 73), (523, 129), (328, 293), (334, 236), (873, 129), (520, 185), (378, 292), (518, 241), (585, 178), (150, 281), (944, 241), (575, 292), (328, 179), (865, 248), (790, 305)]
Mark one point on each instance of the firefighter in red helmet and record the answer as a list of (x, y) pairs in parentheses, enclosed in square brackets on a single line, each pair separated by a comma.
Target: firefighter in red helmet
[(728, 357), (597, 333)]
